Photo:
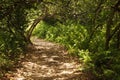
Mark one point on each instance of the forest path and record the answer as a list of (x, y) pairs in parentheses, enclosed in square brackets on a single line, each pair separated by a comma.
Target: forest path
[(47, 61)]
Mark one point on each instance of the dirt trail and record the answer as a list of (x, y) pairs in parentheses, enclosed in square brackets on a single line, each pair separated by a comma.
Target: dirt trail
[(47, 61)]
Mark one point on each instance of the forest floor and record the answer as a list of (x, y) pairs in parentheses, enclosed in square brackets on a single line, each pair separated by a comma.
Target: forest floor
[(47, 61)]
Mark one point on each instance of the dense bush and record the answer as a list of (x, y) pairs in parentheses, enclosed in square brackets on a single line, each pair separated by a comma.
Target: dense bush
[(72, 36), (13, 23)]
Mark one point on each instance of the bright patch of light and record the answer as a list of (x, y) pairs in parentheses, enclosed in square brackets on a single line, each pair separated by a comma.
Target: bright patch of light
[(44, 67), (66, 72), (20, 78)]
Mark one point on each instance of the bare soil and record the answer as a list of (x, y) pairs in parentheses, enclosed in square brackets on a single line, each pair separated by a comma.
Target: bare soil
[(47, 61)]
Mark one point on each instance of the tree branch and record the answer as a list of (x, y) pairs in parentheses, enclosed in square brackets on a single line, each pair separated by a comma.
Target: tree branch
[(117, 28)]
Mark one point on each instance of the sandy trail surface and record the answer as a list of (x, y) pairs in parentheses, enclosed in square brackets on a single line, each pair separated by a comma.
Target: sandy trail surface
[(47, 61)]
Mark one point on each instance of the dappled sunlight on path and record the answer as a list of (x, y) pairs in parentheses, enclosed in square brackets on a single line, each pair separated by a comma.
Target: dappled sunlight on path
[(47, 61)]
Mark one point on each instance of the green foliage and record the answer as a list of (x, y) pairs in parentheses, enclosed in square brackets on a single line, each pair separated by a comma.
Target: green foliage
[(5, 62), (11, 46), (72, 36), (84, 56), (106, 64)]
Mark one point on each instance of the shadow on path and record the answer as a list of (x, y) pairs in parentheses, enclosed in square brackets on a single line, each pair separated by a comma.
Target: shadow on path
[(47, 61)]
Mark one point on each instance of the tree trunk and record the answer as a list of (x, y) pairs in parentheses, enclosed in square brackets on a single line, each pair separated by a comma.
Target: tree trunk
[(108, 28), (29, 32), (114, 9), (118, 40)]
